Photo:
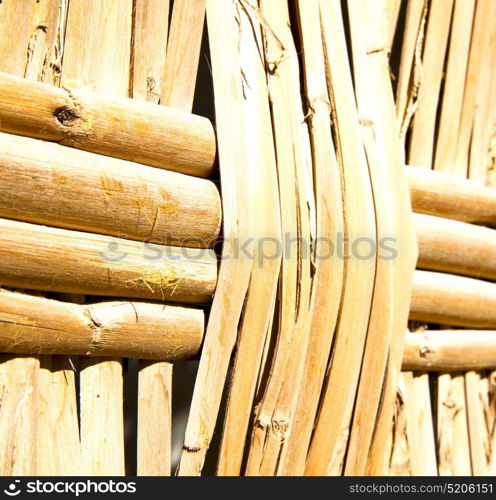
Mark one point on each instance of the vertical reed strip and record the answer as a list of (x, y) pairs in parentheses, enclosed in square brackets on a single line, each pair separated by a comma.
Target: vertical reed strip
[(398, 447), (476, 394), (409, 74), (454, 85), (58, 440), (221, 333), (452, 434), (485, 110), (273, 413), (264, 226), (97, 57), (183, 51), (148, 59), (44, 425), (30, 30), (332, 425), (394, 273), (491, 420), (19, 379), (393, 8), (349, 137), (478, 64), (310, 363), (421, 437), (420, 151), (176, 76), (149, 46), (19, 396)]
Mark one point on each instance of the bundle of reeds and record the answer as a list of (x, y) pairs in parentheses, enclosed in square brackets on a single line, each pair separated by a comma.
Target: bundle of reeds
[(299, 315)]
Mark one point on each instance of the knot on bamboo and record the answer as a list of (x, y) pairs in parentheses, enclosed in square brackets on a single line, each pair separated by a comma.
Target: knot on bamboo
[(68, 116)]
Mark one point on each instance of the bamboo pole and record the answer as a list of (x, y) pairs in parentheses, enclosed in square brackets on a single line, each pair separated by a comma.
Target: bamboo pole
[(453, 300), (450, 350), (455, 247), (52, 259), (35, 325), (222, 327), (112, 126), (449, 196), (89, 192)]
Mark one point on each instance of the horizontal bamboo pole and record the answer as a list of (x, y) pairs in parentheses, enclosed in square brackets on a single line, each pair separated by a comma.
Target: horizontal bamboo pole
[(52, 259), (90, 192), (446, 195), (450, 350), (455, 247), (112, 126), (36, 325), (453, 300)]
